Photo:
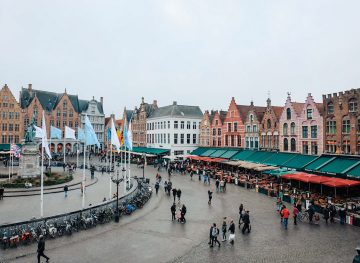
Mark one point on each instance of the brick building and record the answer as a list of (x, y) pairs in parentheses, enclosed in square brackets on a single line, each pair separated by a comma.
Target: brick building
[(311, 122), (269, 128), (205, 125), (139, 118), (216, 139), (233, 129), (342, 122), (11, 123), (290, 126), (252, 123)]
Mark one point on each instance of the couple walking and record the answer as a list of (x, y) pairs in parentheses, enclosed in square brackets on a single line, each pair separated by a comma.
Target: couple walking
[(214, 233)]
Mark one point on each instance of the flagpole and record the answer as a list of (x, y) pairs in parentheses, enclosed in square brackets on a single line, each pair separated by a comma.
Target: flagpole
[(110, 182), (42, 182), (77, 154), (129, 169), (9, 164), (50, 146), (12, 164), (64, 148), (83, 180)]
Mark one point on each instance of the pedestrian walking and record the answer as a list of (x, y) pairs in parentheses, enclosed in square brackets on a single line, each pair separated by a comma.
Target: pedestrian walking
[(232, 232), (178, 193), (66, 189), (157, 186), (295, 214), (342, 215), (210, 196), (41, 249), (173, 211), (285, 215), (241, 208), (174, 192), (183, 213), (332, 213), (210, 234), (281, 215), (224, 229), (81, 188), (217, 184), (326, 213), (165, 186), (246, 220), (215, 233)]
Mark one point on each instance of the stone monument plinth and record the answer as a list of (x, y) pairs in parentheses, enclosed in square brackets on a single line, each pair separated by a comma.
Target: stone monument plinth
[(29, 164)]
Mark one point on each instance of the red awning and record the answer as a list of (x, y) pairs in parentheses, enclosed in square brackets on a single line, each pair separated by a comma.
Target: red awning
[(289, 176), (339, 182)]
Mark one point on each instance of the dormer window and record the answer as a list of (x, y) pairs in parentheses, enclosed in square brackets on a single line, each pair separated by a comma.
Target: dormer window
[(330, 108), (309, 114)]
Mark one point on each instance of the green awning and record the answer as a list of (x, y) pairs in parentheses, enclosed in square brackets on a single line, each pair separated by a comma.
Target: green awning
[(317, 163), (279, 159), (299, 161), (229, 154), (199, 150), (208, 153), (339, 165), (217, 153), (155, 151), (259, 156), (354, 172), (242, 155)]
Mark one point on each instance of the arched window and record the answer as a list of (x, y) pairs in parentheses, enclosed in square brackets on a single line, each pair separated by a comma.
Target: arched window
[(288, 113), (65, 105), (292, 128), (285, 129), (330, 108), (286, 144), (268, 123), (293, 145), (251, 117), (352, 105)]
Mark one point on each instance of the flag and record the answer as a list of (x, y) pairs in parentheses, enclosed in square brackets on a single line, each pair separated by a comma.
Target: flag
[(81, 135), (15, 150), (38, 132), (124, 134), (120, 136), (90, 135), (44, 142), (55, 133), (109, 133), (114, 139), (128, 138), (69, 133)]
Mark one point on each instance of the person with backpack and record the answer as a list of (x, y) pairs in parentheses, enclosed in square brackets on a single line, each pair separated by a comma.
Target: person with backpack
[(215, 233), (173, 211), (224, 229)]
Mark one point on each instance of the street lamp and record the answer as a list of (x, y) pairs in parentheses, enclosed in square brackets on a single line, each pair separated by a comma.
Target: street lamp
[(117, 181)]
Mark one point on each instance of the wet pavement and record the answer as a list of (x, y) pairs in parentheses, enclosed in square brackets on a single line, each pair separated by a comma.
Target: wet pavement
[(149, 235)]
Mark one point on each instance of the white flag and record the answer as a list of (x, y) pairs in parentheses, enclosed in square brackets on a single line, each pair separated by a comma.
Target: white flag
[(114, 137), (129, 138), (44, 141), (38, 132), (69, 133)]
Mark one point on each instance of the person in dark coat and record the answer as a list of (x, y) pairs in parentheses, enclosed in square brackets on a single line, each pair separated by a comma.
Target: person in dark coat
[(210, 234), (66, 189), (173, 211), (241, 208), (41, 249), (246, 220), (326, 213), (157, 186), (178, 193), (183, 213), (174, 192), (210, 196), (232, 232)]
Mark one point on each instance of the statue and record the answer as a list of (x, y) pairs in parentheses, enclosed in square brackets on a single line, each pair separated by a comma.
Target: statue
[(30, 132)]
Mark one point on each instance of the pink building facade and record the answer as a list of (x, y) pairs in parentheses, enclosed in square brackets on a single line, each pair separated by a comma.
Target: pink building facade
[(290, 126), (311, 122)]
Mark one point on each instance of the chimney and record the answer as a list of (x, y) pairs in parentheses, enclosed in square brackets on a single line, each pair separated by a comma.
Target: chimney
[(102, 101), (174, 103), (30, 87)]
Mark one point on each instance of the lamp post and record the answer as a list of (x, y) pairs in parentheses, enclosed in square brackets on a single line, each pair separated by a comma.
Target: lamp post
[(144, 156), (117, 181)]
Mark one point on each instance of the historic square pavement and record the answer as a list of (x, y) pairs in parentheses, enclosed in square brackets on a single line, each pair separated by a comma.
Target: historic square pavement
[(149, 235)]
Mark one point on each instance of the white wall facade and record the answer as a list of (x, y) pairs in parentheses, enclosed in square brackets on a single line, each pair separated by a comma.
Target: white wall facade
[(179, 135)]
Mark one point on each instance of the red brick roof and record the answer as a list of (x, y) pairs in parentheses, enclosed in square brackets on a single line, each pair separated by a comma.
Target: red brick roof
[(320, 107), (278, 111), (298, 107)]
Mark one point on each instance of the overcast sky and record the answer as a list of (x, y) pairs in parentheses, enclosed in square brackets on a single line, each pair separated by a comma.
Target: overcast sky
[(199, 52)]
